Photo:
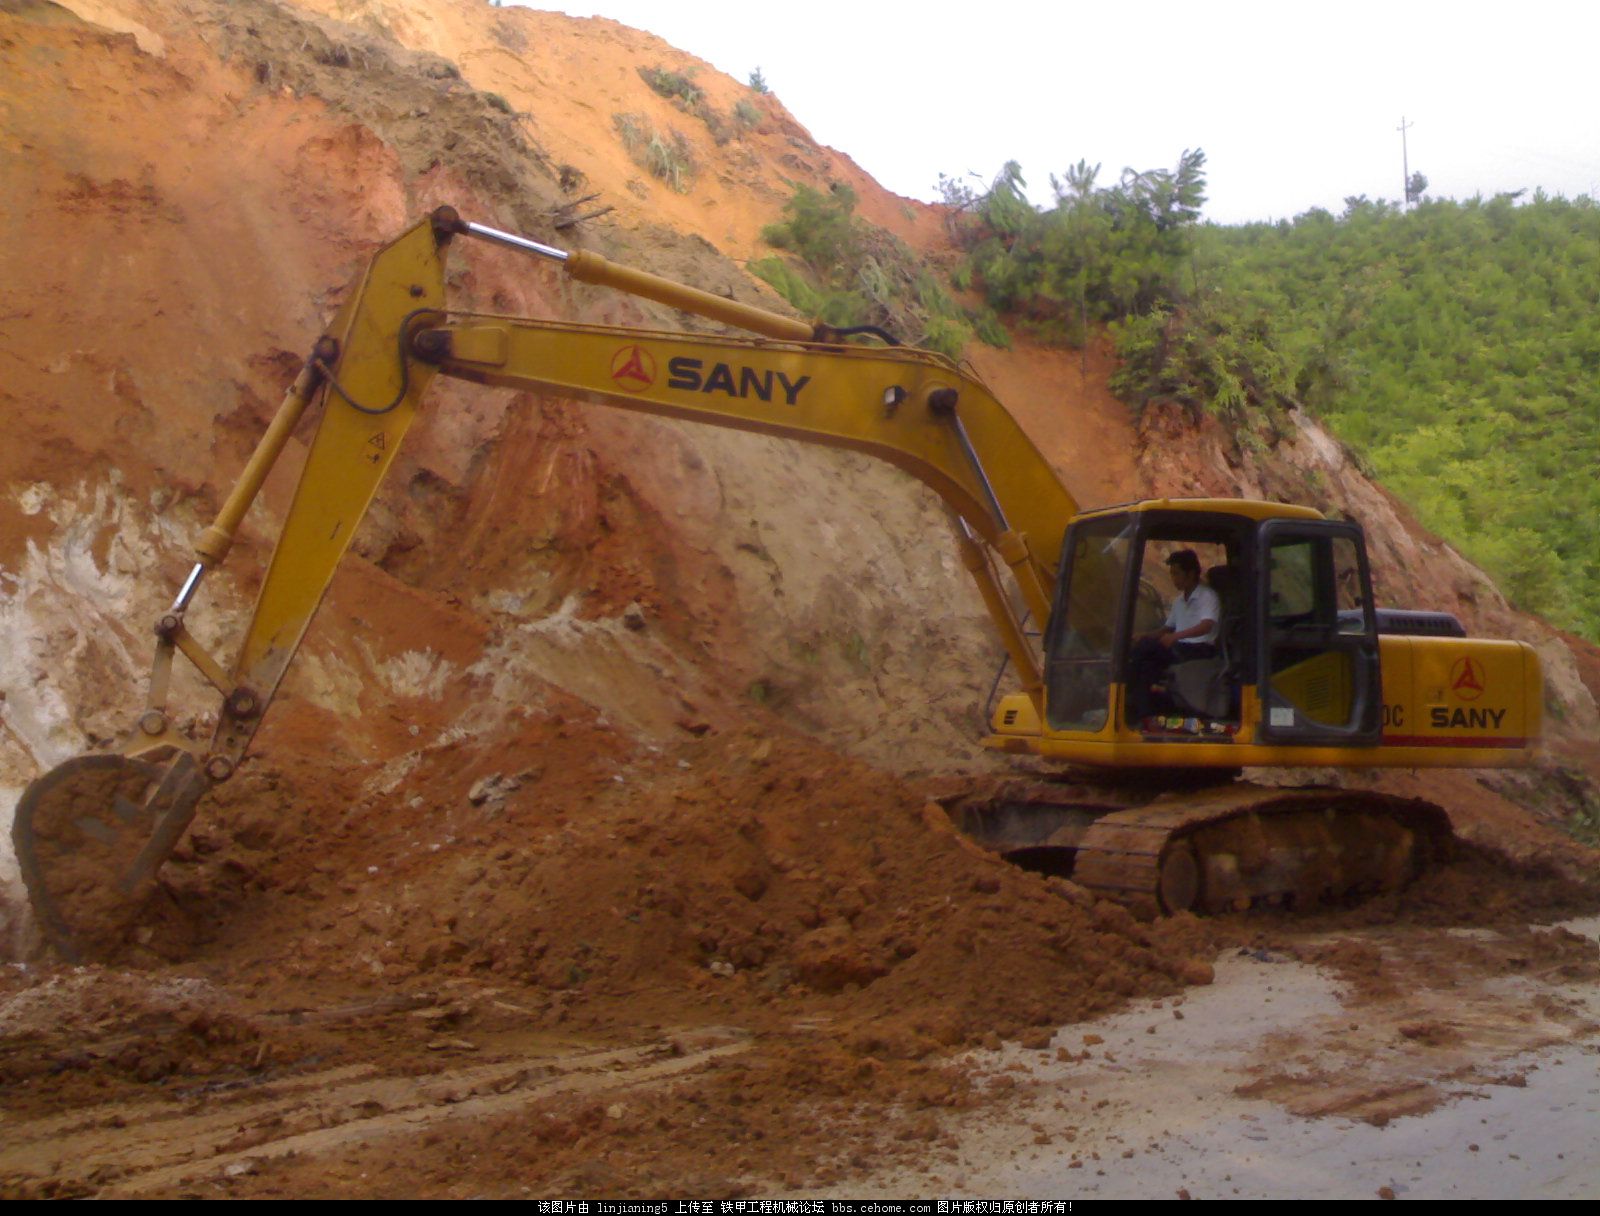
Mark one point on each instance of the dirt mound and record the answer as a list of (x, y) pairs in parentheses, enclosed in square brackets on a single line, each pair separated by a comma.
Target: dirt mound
[(94, 1034), (568, 885), (1484, 887), (740, 877), (1478, 887)]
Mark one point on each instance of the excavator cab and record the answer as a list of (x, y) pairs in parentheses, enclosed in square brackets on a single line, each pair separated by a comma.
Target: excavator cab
[(1296, 652)]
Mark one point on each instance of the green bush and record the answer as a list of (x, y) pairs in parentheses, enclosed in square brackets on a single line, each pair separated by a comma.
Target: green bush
[(631, 128), (1206, 357), (832, 307), (820, 228), (680, 87), (1107, 252), (668, 156), (1121, 254), (847, 272), (673, 84), (747, 114), (987, 325)]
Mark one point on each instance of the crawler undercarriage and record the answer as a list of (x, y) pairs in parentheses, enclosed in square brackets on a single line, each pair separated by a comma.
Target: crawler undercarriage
[(1210, 848)]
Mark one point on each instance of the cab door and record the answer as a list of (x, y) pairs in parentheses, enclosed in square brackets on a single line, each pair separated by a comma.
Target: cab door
[(1087, 636), (1320, 681)]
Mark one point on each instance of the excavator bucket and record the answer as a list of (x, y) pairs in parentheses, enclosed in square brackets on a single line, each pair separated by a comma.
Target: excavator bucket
[(90, 835)]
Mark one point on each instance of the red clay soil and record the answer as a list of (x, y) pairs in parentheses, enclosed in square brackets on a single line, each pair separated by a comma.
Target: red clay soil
[(608, 896), (714, 879), (1086, 434)]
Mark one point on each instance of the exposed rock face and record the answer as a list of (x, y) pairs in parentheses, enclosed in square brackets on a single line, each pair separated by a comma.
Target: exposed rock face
[(197, 183)]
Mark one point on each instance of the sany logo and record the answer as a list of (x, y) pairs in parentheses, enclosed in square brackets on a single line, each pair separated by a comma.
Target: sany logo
[(633, 368), (1466, 679)]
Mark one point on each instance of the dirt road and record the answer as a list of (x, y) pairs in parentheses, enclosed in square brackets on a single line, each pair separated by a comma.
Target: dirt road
[(1431, 1062), (1289, 1080)]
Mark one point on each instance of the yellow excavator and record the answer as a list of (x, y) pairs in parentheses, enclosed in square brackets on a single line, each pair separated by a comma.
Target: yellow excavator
[(1305, 669)]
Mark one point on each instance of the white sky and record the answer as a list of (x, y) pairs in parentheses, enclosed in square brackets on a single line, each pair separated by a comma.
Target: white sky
[(1296, 105)]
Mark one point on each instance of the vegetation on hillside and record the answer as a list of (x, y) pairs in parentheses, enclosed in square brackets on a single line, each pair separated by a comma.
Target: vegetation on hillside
[(1456, 346), (1109, 251), (1453, 345), (681, 90), (666, 155), (845, 271), (1121, 255)]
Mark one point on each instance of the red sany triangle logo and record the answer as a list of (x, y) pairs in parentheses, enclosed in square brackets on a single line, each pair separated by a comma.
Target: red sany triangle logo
[(633, 368), (1466, 679)]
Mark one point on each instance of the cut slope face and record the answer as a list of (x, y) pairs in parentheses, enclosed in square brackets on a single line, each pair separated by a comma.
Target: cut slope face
[(574, 77), (704, 538)]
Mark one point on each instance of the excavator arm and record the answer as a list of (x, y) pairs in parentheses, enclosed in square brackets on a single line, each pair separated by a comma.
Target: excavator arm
[(912, 409), (91, 834)]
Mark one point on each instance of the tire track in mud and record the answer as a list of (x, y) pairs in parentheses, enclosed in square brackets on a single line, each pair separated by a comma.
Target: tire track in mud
[(130, 1148)]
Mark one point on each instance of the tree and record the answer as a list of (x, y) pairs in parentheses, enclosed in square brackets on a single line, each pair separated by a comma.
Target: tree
[(758, 82), (1078, 194), (1114, 250), (1416, 186)]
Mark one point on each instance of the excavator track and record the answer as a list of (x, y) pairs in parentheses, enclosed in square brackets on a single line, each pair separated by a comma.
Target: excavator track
[(1211, 850)]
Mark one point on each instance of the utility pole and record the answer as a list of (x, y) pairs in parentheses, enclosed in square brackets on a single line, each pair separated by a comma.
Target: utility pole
[(1405, 164)]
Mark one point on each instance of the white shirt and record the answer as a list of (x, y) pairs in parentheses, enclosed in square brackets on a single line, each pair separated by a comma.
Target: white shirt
[(1201, 604)]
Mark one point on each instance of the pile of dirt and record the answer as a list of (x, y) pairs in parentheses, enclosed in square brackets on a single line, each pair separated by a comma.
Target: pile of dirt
[(568, 884), (744, 876), (94, 1035)]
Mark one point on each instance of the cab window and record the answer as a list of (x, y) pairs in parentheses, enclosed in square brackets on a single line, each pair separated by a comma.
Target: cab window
[(1083, 630)]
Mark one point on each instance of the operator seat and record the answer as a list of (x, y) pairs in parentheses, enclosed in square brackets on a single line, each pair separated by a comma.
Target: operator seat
[(1209, 688)]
